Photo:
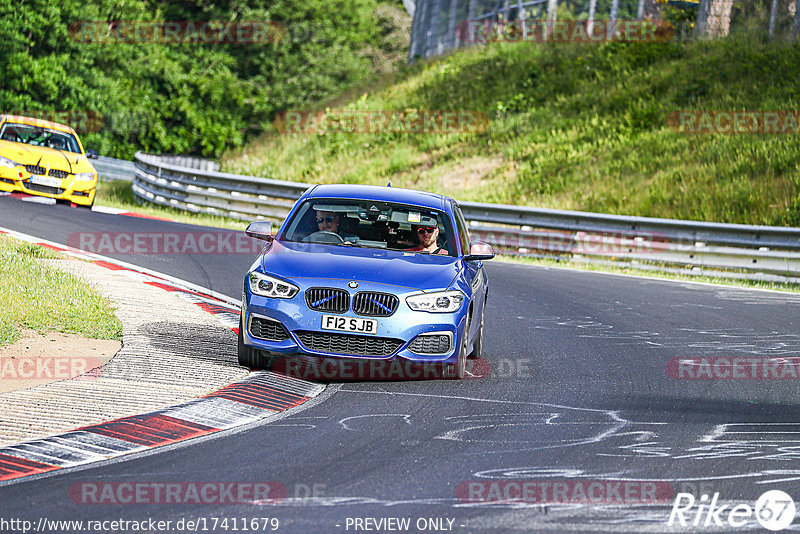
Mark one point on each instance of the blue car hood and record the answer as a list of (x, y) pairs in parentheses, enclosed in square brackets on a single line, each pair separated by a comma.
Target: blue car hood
[(303, 260)]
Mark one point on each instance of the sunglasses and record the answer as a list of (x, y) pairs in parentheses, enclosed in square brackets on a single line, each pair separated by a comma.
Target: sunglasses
[(328, 219), (425, 230)]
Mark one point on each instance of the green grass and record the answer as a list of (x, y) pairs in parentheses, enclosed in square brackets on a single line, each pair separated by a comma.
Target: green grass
[(574, 126), (39, 297), (118, 194)]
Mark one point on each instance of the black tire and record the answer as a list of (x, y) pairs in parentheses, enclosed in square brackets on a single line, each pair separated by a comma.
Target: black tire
[(477, 346), (458, 370), (248, 356)]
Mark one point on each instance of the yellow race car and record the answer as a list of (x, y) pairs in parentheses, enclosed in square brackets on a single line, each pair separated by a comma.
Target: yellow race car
[(46, 159)]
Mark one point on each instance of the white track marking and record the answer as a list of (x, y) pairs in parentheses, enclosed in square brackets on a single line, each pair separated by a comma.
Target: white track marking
[(406, 418)]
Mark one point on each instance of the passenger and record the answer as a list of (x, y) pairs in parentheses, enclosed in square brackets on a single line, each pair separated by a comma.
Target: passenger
[(428, 240)]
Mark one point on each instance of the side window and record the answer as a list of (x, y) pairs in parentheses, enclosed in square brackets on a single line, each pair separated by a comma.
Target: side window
[(463, 234)]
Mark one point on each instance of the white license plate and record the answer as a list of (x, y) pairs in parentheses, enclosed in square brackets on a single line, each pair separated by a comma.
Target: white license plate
[(358, 325), (44, 180)]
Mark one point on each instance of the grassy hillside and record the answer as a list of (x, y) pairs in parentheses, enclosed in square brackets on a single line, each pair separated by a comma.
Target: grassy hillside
[(576, 127)]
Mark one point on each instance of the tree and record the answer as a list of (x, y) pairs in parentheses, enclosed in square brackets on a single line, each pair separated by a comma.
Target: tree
[(719, 17)]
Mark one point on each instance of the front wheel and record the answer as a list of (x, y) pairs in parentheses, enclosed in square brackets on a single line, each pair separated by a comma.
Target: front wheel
[(248, 356), (477, 346), (458, 370)]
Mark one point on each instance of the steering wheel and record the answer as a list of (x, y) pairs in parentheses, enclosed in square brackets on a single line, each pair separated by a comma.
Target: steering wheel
[(323, 236)]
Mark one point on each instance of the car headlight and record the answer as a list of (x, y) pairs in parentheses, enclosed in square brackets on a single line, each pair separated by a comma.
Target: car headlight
[(267, 286), (439, 302), (5, 162), (84, 176)]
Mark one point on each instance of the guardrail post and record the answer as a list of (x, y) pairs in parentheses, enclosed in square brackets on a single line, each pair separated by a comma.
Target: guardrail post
[(419, 34), (521, 18), (433, 27), (551, 17), (451, 24), (702, 18), (796, 25), (773, 11), (612, 20)]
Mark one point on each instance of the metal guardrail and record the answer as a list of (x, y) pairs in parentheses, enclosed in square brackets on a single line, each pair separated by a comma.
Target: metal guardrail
[(732, 250), (120, 169), (113, 169), (217, 193)]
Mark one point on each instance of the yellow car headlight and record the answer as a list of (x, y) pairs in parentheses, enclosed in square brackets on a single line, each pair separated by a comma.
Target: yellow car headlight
[(5, 162), (84, 176)]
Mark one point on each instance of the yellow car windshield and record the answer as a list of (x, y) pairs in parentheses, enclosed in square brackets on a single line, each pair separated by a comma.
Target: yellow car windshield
[(38, 136)]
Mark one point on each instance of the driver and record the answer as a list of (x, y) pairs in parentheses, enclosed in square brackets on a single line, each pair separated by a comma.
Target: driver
[(328, 221), (56, 143)]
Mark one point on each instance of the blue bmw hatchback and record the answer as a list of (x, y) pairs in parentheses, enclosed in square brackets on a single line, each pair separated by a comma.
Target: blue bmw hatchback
[(377, 274)]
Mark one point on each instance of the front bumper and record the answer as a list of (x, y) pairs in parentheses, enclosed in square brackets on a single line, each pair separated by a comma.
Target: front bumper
[(72, 190), (404, 325)]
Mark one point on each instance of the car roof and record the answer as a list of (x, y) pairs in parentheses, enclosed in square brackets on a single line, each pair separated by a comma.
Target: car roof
[(381, 193), (30, 121)]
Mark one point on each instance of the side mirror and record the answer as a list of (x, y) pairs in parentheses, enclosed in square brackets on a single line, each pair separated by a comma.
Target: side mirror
[(92, 154), (260, 230), (478, 250)]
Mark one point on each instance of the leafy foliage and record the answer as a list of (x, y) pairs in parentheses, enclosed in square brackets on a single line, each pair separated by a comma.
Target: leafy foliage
[(199, 98)]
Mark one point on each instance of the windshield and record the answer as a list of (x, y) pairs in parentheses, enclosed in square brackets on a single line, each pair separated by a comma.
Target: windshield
[(39, 136), (371, 224)]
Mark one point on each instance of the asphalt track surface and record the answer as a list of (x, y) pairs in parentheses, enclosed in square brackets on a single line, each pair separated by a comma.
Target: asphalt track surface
[(578, 392)]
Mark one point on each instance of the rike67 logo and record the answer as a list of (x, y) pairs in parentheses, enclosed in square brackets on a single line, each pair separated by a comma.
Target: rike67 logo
[(774, 510)]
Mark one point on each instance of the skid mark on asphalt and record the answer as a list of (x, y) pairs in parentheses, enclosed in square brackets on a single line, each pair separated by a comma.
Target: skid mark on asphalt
[(700, 341), (567, 426), (757, 298), (406, 418), (607, 433)]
